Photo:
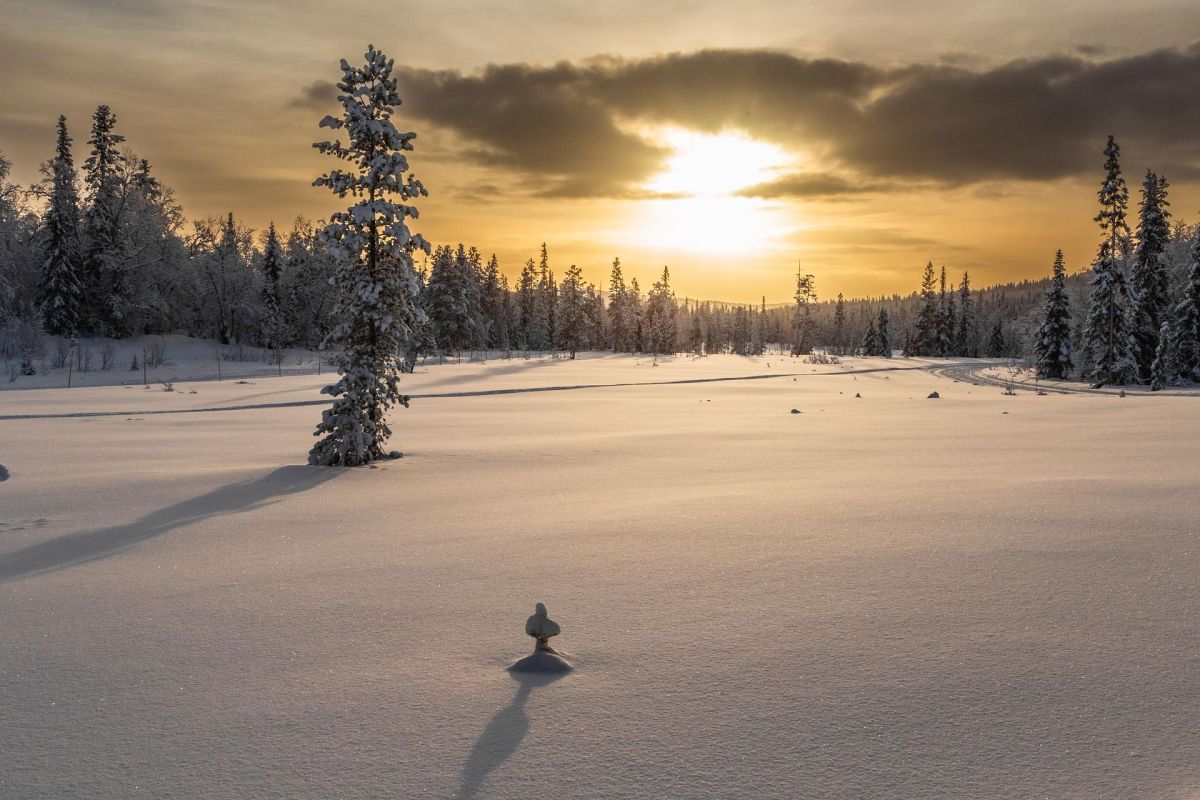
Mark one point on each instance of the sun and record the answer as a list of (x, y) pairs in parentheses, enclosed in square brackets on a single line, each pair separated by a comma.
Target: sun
[(698, 209), (714, 164)]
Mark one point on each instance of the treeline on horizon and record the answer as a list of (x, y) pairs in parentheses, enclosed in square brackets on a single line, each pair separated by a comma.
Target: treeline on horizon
[(105, 251)]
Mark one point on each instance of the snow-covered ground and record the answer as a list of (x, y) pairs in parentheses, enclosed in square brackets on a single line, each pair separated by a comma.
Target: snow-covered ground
[(91, 362), (887, 596)]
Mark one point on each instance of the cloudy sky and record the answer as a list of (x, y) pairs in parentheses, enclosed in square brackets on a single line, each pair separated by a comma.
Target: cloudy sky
[(728, 140)]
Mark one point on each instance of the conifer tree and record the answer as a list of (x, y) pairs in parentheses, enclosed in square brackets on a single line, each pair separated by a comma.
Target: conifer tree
[(618, 310), (758, 338), (1109, 344), (660, 315), (526, 302), (1187, 321), (61, 290), (805, 296), (446, 301), (964, 338), (1052, 348), (103, 270), (1148, 277), (883, 334), (572, 312), (945, 324), (634, 309), (271, 268), (870, 345), (839, 322), (493, 305), (1164, 370), (543, 304), (377, 308), (997, 347), (924, 341)]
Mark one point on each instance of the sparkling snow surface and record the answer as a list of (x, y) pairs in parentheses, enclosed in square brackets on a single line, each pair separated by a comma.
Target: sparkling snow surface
[(882, 597)]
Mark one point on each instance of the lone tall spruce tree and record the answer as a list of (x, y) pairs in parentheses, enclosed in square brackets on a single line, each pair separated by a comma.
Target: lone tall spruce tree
[(378, 289)]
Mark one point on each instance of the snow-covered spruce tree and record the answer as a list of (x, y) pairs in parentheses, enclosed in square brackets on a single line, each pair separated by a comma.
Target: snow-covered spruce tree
[(447, 300), (618, 311), (883, 334), (473, 276), (806, 295), (61, 288), (372, 242), (270, 266), (552, 310), (543, 301), (493, 306), (1108, 339), (1148, 275), (103, 278), (1052, 347), (1164, 370), (1187, 322), (964, 336), (870, 343), (572, 311), (758, 331), (997, 347), (526, 295), (839, 323), (636, 317), (593, 309), (924, 341), (946, 320), (660, 316)]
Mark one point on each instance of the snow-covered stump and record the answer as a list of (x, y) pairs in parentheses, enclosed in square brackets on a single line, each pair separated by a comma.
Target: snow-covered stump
[(544, 658)]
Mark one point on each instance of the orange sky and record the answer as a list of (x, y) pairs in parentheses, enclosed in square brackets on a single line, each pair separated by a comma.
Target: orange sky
[(852, 137)]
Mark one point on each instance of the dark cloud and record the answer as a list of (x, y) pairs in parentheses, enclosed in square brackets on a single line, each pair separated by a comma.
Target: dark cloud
[(567, 127), (316, 96), (804, 185)]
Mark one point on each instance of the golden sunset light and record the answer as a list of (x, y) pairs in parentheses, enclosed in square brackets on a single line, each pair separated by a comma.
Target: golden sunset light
[(624, 400)]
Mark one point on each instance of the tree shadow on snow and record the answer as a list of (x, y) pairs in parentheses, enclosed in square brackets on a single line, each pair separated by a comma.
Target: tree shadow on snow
[(80, 548), (502, 735)]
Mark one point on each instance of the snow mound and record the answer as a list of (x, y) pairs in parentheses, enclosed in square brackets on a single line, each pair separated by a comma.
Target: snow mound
[(541, 662)]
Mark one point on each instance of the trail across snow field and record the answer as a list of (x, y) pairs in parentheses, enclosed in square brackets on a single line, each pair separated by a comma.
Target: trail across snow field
[(444, 395)]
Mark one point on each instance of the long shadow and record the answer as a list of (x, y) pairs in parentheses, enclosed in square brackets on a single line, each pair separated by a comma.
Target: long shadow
[(516, 364), (501, 736), (80, 548)]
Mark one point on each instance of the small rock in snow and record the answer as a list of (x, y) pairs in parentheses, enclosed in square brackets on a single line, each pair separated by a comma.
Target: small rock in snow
[(796, 411), (856, 394), (933, 396), (3, 473)]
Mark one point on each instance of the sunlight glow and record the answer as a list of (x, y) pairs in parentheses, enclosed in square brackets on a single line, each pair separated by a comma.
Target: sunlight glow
[(705, 215), (709, 225), (707, 164)]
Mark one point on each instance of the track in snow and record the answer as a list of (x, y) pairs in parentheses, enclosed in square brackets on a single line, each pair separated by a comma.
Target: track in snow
[(445, 395)]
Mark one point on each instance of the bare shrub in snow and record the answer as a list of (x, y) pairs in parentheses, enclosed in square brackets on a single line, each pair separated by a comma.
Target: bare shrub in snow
[(83, 359), (156, 353), (108, 356), (62, 352)]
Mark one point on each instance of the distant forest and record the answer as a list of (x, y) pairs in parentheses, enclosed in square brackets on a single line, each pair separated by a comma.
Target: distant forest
[(104, 250)]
